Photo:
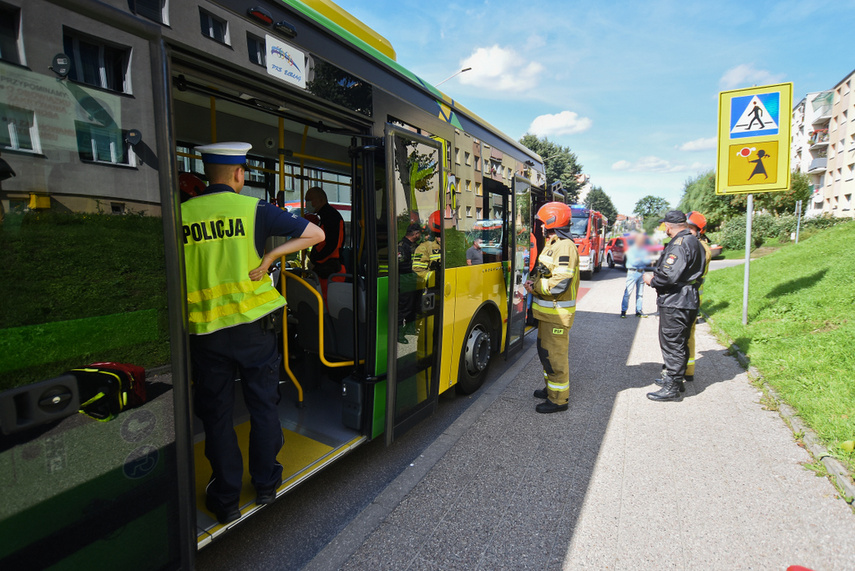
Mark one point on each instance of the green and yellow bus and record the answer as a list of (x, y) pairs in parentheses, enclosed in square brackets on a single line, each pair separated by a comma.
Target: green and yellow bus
[(102, 103)]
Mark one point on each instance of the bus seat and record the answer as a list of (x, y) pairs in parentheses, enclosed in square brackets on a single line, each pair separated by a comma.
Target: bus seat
[(340, 303), (304, 306)]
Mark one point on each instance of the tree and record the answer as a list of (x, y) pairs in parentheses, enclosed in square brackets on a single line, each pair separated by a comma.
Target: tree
[(598, 200), (699, 194), (785, 201), (560, 164), (651, 208)]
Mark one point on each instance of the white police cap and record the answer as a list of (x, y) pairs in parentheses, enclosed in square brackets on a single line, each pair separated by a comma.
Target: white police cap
[(232, 153)]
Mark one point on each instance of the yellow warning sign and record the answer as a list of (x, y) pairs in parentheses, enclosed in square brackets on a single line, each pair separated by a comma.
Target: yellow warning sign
[(752, 164), (754, 139)]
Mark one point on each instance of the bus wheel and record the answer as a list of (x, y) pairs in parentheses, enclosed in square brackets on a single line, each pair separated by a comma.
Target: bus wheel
[(475, 357)]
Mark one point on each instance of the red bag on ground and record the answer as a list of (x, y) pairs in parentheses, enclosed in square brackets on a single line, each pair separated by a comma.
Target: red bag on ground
[(136, 379)]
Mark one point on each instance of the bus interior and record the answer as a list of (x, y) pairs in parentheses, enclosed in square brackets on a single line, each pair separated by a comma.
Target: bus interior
[(293, 150)]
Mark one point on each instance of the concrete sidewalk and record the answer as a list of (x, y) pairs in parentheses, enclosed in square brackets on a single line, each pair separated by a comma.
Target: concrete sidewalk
[(618, 481)]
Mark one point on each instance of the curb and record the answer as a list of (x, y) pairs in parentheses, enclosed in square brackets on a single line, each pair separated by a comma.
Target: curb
[(836, 470), (344, 545)]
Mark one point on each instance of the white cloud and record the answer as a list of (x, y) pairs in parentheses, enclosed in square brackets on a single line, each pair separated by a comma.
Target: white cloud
[(500, 69), (699, 145), (564, 123), (746, 75), (655, 165)]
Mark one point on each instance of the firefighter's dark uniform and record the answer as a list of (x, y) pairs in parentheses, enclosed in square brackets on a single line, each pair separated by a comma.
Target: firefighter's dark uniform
[(676, 280), (407, 296), (554, 306), (690, 365), (326, 255)]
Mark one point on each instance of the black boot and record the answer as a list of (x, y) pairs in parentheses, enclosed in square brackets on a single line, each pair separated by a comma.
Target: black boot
[(541, 393), (689, 378), (549, 406), (225, 513), (661, 383), (670, 391)]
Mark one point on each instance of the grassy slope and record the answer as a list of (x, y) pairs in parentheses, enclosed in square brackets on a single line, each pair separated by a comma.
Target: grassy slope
[(801, 330)]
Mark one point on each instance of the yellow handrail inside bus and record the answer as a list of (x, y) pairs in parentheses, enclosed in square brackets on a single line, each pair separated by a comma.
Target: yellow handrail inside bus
[(320, 300), (285, 361)]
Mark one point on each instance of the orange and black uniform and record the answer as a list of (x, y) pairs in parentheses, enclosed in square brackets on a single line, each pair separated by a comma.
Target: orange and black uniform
[(326, 255)]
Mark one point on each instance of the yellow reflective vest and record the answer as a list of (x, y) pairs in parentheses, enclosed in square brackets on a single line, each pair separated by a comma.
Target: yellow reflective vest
[(556, 282), (219, 252), (426, 260)]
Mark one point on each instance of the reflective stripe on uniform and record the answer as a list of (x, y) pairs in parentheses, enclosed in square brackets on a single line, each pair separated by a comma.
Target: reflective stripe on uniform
[(245, 286), (553, 304), (558, 386)]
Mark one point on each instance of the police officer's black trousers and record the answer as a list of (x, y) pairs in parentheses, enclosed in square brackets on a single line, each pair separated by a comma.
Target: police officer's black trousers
[(251, 350), (675, 325)]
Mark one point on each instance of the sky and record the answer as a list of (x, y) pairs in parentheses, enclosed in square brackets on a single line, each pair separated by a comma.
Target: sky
[(631, 87)]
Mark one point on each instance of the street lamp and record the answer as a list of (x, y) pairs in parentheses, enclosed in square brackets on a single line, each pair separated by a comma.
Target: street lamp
[(453, 75)]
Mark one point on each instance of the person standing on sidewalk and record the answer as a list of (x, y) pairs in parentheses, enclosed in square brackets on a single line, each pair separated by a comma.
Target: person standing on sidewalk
[(554, 286), (697, 224), (637, 260), (229, 300), (675, 280)]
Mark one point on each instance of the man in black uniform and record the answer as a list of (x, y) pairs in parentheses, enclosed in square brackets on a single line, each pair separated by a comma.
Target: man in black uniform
[(407, 296), (326, 256), (675, 280)]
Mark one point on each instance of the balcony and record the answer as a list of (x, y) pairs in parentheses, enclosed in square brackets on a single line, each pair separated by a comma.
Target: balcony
[(818, 138), (818, 165)]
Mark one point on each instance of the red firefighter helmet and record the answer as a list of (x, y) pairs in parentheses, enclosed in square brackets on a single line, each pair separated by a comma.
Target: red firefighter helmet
[(190, 184), (435, 222), (554, 215), (695, 218)]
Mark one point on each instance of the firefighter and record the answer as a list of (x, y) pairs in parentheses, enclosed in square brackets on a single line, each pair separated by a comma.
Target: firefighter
[(408, 294), (428, 255), (553, 284), (230, 302), (675, 280), (697, 225), (325, 258)]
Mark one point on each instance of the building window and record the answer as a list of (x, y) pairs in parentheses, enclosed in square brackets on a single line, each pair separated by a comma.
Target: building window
[(255, 174), (468, 186), (478, 213), (257, 50), (156, 10), (467, 158), (478, 190), (468, 212), (18, 129), (477, 163), (104, 145), (215, 28), (10, 34), (456, 155), (117, 207), (96, 63)]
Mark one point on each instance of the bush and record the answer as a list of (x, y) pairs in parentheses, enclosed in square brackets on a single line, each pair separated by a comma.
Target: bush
[(767, 227)]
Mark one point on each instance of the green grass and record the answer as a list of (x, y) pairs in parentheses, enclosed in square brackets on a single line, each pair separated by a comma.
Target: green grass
[(801, 327), (79, 288)]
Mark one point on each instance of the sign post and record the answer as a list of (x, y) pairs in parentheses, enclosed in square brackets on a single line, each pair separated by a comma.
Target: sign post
[(753, 150)]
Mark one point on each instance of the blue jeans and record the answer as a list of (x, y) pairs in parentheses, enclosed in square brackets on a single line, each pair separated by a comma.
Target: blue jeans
[(633, 281)]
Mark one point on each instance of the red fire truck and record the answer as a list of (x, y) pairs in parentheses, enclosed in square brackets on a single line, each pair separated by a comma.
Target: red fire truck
[(588, 229)]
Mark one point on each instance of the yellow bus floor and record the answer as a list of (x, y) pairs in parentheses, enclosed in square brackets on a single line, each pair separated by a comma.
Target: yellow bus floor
[(298, 453)]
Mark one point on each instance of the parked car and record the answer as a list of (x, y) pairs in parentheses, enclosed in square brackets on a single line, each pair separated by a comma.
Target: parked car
[(655, 251), (716, 250), (616, 251)]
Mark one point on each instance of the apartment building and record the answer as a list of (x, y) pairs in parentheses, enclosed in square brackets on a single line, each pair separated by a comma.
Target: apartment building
[(823, 146)]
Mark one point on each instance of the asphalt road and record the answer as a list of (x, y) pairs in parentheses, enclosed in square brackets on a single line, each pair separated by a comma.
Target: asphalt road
[(288, 534)]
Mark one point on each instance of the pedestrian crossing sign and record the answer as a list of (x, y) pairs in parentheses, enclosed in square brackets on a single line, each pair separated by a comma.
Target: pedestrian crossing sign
[(754, 139)]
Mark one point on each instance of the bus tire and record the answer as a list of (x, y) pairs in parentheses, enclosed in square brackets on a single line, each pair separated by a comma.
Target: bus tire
[(611, 262), (475, 355)]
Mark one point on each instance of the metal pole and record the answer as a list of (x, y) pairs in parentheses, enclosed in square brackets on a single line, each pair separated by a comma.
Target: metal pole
[(748, 220), (798, 219)]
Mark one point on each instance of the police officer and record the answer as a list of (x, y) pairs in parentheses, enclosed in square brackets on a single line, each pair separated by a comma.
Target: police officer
[(407, 297), (554, 283), (675, 280), (229, 299)]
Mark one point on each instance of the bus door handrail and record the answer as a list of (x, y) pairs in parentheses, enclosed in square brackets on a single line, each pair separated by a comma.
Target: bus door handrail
[(321, 352)]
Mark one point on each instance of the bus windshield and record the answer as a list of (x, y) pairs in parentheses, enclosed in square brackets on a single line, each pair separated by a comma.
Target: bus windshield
[(579, 227)]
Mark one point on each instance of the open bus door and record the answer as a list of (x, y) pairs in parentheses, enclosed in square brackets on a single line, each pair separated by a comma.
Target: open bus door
[(109, 488), (414, 334), (521, 240)]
